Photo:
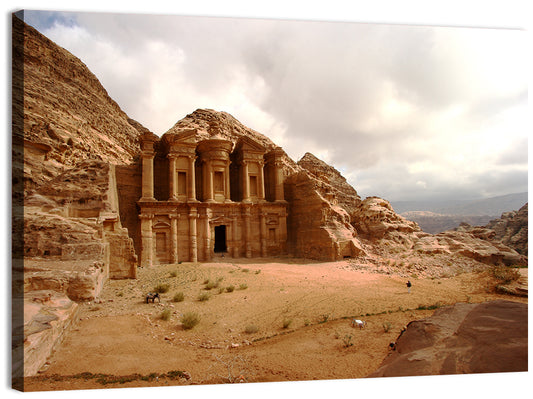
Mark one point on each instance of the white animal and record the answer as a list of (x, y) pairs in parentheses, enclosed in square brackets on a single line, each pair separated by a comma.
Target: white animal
[(358, 323)]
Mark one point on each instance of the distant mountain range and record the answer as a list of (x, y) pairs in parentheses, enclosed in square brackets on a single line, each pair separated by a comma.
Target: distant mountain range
[(494, 206), (437, 216)]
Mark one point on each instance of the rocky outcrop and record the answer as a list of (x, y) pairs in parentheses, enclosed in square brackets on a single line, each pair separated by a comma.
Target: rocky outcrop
[(333, 185), (317, 227), (512, 229), (468, 245), (68, 117), (489, 337), (387, 232), (47, 318), (374, 219)]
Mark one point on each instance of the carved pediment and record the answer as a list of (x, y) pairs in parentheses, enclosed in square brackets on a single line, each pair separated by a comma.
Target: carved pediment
[(221, 220), (161, 225), (246, 144)]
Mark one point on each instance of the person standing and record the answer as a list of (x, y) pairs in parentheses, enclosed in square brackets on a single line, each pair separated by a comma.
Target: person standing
[(409, 285)]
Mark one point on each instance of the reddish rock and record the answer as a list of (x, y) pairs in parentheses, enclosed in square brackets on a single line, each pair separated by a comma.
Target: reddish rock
[(465, 338)]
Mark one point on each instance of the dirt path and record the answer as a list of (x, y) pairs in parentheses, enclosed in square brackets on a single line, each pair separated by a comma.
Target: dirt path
[(281, 322)]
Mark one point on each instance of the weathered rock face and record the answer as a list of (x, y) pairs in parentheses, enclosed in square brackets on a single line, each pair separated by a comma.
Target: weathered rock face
[(387, 232), (512, 229), (47, 318), (68, 116), (375, 219), (467, 244), (334, 186), (317, 228), (490, 337)]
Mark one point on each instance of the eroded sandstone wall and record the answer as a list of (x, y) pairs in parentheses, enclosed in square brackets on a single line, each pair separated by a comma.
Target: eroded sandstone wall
[(129, 178), (317, 229)]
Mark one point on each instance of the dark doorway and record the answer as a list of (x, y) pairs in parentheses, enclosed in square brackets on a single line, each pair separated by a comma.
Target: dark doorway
[(220, 238)]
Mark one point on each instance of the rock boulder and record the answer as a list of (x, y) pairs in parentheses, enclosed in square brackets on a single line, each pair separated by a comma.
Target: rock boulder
[(465, 338)]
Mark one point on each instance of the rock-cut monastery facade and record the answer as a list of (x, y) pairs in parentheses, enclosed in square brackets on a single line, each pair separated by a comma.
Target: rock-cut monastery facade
[(209, 197)]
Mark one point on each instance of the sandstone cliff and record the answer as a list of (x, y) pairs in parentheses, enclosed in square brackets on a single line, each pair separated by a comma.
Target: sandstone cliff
[(334, 185), (512, 229), (63, 115), (68, 135)]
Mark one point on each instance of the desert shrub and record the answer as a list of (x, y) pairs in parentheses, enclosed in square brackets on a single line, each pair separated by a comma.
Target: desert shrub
[(502, 289), (230, 288), (251, 329), (286, 323), (178, 297), (210, 284), (429, 307), (387, 326), (347, 340), (173, 273), (161, 288), (245, 270), (243, 286), (165, 314), (258, 271), (324, 318), (189, 320), (505, 274), (204, 296)]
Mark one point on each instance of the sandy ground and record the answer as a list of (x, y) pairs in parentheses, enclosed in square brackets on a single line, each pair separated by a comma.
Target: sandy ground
[(300, 313)]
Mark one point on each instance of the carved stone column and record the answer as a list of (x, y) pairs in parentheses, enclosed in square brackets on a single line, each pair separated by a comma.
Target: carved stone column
[(191, 181), (147, 176), (248, 231), (146, 240), (234, 237), (263, 235), (208, 188), (193, 243), (245, 183), (207, 233), (227, 190), (261, 193), (174, 238), (172, 184), (278, 187)]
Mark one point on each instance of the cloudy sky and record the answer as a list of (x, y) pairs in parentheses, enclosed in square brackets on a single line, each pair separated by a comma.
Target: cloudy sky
[(404, 112)]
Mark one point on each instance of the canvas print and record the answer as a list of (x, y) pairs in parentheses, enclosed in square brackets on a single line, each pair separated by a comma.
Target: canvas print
[(214, 200)]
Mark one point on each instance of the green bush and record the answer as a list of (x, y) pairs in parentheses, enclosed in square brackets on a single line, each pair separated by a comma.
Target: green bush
[(189, 320), (165, 314), (204, 296), (230, 288), (161, 288), (178, 297), (505, 274), (347, 340)]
